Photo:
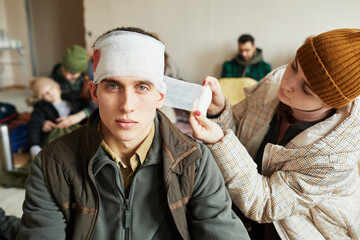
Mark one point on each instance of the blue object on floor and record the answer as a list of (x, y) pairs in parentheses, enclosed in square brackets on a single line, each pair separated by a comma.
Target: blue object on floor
[(18, 138)]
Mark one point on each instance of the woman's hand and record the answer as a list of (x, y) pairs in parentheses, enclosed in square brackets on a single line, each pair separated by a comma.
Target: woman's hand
[(64, 122), (205, 129), (48, 126), (217, 104)]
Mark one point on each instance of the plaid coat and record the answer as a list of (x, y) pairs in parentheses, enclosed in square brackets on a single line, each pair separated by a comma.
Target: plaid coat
[(310, 188)]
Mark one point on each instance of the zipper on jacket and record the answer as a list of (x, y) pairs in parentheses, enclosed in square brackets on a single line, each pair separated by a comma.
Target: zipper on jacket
[(127, 218)]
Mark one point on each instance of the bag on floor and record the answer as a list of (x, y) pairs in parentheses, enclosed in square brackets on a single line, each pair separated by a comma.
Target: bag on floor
[(7, 112)]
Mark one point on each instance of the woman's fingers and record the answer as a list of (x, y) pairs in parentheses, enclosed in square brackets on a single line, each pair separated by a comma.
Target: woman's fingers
[(218, 100), (205, 129)]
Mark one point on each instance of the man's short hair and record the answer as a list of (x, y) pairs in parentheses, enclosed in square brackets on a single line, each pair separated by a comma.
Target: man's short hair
[(129, 29), (246, 38)]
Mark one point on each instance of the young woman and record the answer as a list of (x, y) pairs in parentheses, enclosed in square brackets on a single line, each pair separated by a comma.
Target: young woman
[(294, 159)]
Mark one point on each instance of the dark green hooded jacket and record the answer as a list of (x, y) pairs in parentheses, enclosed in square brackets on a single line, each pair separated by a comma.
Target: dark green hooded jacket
[(256, 68)]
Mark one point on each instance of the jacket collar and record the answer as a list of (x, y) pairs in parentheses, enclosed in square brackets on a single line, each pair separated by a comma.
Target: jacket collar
[(180, 150)]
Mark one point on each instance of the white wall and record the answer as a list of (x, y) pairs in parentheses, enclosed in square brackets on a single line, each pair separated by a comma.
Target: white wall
[(4, 56), (13, 21), (201, 34), (55, 26)]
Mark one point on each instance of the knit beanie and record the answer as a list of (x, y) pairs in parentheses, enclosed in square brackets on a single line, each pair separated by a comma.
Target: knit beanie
[(331, 64), (75, 59)]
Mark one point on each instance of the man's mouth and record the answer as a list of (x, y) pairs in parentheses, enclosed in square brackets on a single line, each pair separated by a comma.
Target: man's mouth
[(125, 123)]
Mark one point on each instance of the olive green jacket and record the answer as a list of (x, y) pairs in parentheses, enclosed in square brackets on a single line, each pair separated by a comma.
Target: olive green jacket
[(75, 191)]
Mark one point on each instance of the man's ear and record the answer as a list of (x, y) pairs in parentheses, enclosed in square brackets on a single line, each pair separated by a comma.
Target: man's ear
[(161, 100), (93, 88)]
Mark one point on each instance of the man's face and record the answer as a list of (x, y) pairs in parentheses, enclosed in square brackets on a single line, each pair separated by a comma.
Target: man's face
[(127, 107), (246, 51), (70, 76)]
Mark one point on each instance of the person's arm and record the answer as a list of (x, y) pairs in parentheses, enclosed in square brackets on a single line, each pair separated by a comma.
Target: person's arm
[(90, 109), (210, 214), (265, 198), (42, 218), (280, 195), (35, 128), (65, 122), (9, 225)]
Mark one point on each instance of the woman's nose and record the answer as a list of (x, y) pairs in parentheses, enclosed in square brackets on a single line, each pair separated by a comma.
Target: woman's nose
[(289, 85)]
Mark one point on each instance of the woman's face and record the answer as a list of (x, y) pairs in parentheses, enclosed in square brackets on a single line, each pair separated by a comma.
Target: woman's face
[(295, 90)]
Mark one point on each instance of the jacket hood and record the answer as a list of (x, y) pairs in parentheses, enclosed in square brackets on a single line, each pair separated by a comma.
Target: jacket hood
[(255, 59)]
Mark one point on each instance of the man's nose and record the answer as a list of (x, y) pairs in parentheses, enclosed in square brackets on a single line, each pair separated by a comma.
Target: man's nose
[(127, 101)]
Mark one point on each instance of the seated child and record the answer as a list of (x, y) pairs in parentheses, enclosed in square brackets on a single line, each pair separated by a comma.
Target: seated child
[(49, 110)]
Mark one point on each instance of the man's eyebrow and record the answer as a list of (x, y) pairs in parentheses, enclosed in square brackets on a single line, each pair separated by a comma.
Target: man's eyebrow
[(144, 82), (108, 80), (140, 81)]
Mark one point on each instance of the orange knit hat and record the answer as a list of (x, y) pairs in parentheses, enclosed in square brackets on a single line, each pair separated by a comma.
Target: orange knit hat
[(331, 64)]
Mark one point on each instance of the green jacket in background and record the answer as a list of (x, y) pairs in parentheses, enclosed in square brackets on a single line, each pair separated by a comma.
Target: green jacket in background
[(75, 191), (256, 68)]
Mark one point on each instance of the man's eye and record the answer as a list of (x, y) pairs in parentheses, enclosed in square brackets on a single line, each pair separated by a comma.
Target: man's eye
[(142, 88), (112, 86)]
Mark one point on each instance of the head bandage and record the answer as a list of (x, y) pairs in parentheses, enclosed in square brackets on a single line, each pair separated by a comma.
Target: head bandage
[(124, 53)]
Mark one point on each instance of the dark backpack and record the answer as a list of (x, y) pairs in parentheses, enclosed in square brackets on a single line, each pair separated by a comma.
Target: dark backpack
[(7, 112)]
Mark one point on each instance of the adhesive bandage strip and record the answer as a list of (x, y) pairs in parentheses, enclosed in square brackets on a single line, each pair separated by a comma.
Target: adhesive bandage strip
[(187, 96)]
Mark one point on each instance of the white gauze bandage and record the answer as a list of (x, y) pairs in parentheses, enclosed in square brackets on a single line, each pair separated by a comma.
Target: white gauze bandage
[(124, 53), (187, 96)]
